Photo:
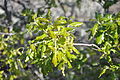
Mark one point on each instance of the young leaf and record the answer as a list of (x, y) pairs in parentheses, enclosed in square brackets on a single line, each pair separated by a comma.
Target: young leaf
[(76, 24), (69, 65), (43, 48), (75, 50), (54, 60), (41, 37), (32, 46), (104, 70), (61, 22), (42, 19), (94, 29), (100, 39)]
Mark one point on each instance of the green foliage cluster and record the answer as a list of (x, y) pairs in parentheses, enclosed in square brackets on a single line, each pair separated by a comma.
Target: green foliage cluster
[(106, 32), (53, 46), (11, 57)]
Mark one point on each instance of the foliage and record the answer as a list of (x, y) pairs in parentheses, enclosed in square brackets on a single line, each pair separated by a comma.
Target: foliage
[(53, 46), (11, 57), (107, 35)]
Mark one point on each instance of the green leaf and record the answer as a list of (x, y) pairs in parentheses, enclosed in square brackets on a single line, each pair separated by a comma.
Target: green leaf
[(60, 22), (69, 65), (61, 67), (71, 56), (116, 35), (42, 19), (32, 46), (119, 23), (34, 16), (59, 56), (44, 48), (27, 59), (69, 29), (52, 34), (94, 29), (60, 27), (100, 39), (103, 71), (76, 24), (75, 50), (54, 60), (41, 37), (61, 40), (107, 46), (20, 63), (29, 26), (113, 50), (16, 66), (61, 18)]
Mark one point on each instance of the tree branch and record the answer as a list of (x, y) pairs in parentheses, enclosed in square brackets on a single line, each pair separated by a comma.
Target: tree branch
[(62, 6), (2, 7), (7, 12), (84, 44), (21, 3), (7, 33)]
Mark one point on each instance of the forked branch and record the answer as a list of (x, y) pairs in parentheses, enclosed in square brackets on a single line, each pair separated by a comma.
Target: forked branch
[(84, 44)]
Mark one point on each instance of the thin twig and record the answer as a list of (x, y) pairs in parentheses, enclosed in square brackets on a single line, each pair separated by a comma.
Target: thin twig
[(84, 44), (7, 34), (40, 75)]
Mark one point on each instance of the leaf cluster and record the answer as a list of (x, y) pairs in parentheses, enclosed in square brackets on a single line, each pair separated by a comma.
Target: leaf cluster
[(106, 33), (53, 46)]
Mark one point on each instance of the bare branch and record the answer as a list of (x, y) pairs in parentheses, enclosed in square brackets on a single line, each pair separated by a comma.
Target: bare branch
[(7, 12), (62, 6), (7, 33), (21, 3), (84, 44), (2, 7)]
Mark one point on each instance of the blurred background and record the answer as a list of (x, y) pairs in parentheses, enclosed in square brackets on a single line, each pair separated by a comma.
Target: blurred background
[(12, 19)]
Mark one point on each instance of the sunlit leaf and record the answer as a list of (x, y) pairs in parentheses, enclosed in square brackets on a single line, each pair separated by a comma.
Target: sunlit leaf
[(42, 19), (32, 46), (41, 37), (100, 39), (59, 22), (44, 48), (54, 60), (103, 71), (94, 29), (75, 50), (76, 24)]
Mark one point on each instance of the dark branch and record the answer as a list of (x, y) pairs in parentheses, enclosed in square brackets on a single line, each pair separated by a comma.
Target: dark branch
[(2, 7), (20, 2), (8, 13), (62, 6)]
